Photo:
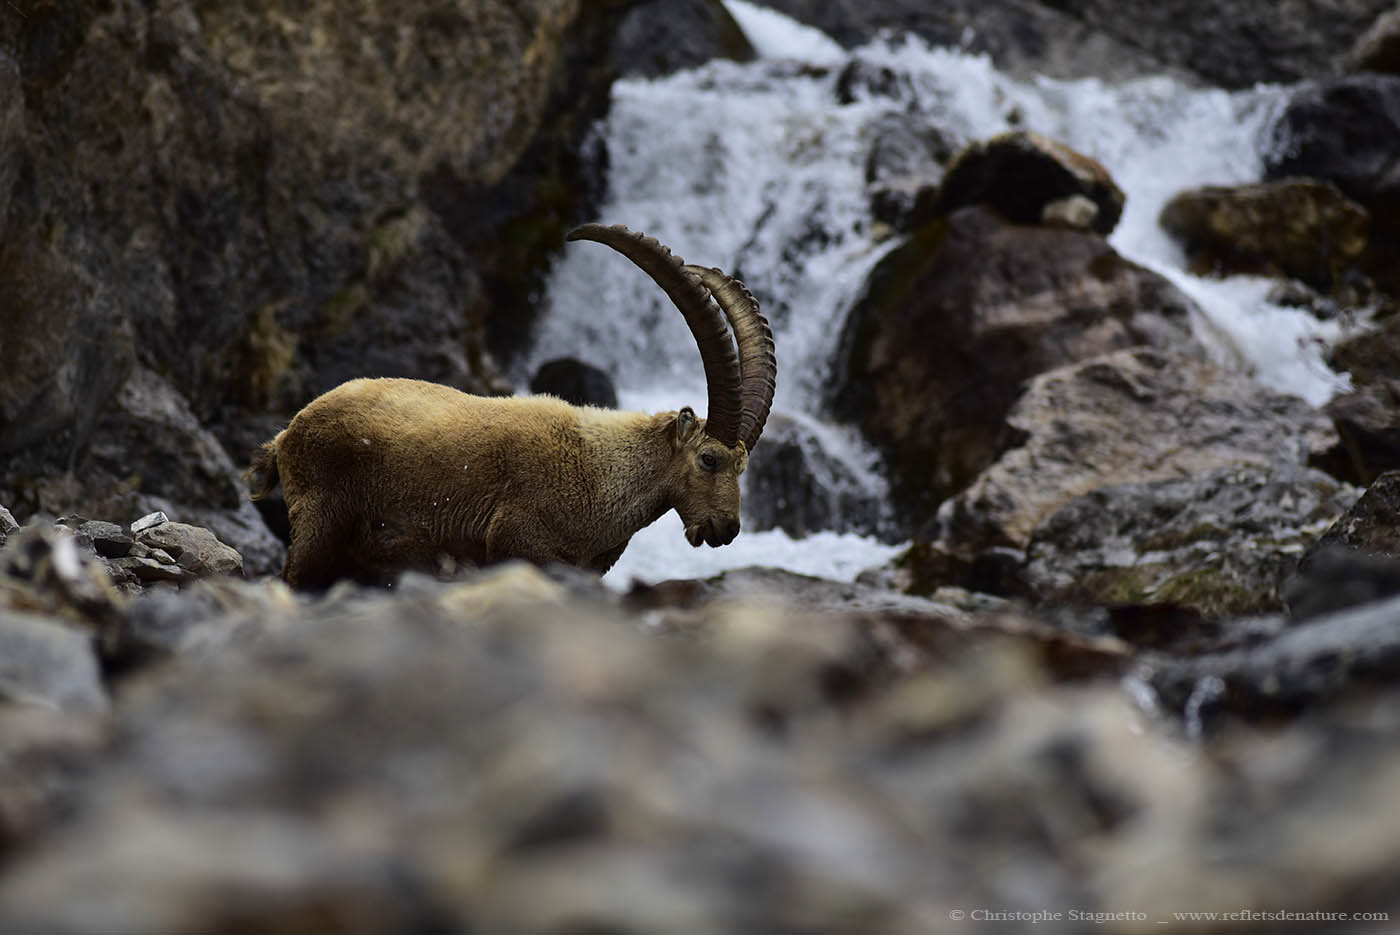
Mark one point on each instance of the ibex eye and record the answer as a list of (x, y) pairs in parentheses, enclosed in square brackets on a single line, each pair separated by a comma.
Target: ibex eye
[(709, 461)]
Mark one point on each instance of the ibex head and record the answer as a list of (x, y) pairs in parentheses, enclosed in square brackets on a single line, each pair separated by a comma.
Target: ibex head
[(708, 455), (705, 481)]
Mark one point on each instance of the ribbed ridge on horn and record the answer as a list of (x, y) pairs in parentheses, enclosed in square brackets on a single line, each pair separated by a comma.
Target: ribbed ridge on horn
[(758, 364), (707, 324)]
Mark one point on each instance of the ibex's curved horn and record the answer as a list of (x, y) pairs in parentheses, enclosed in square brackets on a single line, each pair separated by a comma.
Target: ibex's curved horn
[(758, 364), (692, 297)]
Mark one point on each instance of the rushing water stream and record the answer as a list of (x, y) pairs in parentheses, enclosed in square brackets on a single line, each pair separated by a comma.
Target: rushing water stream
[(760, 169)]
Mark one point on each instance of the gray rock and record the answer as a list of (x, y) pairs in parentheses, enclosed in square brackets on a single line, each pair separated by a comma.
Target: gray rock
[(575, 382), (657, 37), (1372, 523), (149, 521), (108, 539), (1219, 543), (47, 663), (150, 570), (1130, 417), (794, 483), (7, 525), (196, 549)]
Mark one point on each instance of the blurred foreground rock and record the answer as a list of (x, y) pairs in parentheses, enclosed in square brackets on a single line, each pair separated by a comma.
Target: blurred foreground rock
[(518, 750)]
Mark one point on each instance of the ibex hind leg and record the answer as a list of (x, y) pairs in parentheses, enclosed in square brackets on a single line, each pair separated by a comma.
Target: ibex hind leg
[(318, 554)]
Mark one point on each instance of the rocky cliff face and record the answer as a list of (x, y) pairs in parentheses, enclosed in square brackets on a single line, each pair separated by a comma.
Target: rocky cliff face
[(259, 201)]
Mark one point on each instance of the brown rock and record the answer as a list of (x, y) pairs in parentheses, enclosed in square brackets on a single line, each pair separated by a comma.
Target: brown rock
[(1021, 174), (1301, 228), (953, 322)]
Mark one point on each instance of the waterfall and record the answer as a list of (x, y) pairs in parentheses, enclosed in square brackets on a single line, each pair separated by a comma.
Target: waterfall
[(760, 169)]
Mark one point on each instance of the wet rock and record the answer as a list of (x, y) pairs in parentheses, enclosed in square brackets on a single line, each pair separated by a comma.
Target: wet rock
[(7, 525), (1129, 417), (925, 568), (658, 37), (1219, 544), (1372, 524), (1368, 428), (795, 484), (1022, 173), (953, 322), (1371, 355), (575, 382), (903, 167), (1300, 228), (1343, 131), (1368, 425), (1378, 48), (46, 663)]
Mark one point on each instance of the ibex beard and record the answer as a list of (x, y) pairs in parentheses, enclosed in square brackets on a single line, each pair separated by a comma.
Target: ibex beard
[(382, 475)]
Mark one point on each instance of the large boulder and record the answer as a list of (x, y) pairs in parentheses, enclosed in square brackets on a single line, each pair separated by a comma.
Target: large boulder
[(953, 321), (1130, 417), (1344, 131), (276, 199), (1300, 228), (1219, 543)]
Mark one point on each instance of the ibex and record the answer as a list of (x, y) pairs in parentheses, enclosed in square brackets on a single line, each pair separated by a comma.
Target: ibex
[(385, 474)]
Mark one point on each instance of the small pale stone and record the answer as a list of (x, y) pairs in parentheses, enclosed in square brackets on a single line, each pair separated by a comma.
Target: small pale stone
[(149, 521)]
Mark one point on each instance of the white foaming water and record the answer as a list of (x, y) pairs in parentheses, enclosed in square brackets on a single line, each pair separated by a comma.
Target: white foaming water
[(760, 169)]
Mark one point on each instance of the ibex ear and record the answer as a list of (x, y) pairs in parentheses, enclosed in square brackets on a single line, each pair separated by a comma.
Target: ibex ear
[(687, 425)]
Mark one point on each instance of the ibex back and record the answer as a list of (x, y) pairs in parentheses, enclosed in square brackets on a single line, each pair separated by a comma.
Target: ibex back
[(381, 475)]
